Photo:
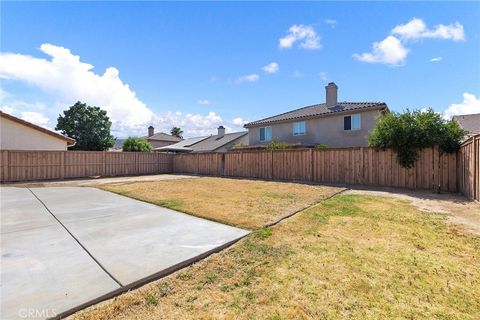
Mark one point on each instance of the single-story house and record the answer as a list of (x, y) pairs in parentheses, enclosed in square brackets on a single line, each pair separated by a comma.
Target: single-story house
[(18, 134), (336, 124), (157, 140), (160, 139), (221, 142), (469, 122)]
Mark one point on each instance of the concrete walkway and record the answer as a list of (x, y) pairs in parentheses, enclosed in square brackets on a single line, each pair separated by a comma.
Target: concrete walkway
[(63, 247)]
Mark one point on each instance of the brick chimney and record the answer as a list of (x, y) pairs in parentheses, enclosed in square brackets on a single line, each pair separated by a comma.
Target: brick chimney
[(151, 131), (331, 91), (221, 131)]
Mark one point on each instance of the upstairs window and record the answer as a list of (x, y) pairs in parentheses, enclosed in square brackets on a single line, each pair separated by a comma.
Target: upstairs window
[(298, 128), (353, 122), (266, 134)]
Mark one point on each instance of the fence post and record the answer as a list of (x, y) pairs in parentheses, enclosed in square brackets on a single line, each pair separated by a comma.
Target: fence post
[(5, 166), (271, 164), (436, 169), (62, 165), (312, 166), (476, 153), (104, 160)]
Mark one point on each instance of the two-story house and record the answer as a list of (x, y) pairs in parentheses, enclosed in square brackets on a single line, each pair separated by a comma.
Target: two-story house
[(336, 124)]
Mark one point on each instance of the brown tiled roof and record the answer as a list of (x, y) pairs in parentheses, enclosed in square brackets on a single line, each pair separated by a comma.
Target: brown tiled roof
[(70, 141), (318, 110)]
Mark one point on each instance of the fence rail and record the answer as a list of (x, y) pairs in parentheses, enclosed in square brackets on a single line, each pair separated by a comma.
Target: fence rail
[(457, 172), (47, 165)]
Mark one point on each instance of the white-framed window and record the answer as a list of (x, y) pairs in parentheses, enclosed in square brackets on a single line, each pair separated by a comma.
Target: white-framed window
[(299, 128), (266, 134), (352, 122)]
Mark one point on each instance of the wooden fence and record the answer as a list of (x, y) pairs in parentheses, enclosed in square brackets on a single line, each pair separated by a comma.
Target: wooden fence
[(458, 172), (352, 166), (47, 165), (468, 169)]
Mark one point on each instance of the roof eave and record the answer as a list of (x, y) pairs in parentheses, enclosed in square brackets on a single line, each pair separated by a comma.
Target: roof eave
[(70, 141), (376, 107)]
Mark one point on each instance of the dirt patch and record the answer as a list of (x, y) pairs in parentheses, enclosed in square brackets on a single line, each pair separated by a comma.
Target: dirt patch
[(460, 211)]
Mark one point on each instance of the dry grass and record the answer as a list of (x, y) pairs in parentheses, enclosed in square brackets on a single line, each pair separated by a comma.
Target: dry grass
[(350, 257), (244, 203)]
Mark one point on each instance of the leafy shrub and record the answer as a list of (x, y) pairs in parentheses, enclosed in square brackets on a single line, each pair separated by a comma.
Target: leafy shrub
[(136, 144), (239, 145), (321, 146), (275, 145), (407, 133)]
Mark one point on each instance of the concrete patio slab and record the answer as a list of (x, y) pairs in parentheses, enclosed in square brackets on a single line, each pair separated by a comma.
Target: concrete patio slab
[(44, 271), (130, 238), (45, 268)]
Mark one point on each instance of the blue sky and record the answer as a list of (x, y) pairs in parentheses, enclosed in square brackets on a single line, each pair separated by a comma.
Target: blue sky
[(198, 65)]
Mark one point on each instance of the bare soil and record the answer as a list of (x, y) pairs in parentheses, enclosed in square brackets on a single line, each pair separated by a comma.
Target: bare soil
[(459, 210)]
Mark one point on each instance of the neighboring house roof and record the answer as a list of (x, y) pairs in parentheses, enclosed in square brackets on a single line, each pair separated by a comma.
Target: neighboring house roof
[(469, 122), (318, 110), (183, 145), (163, 137), (215, 142), (204, 144), (70, 141)]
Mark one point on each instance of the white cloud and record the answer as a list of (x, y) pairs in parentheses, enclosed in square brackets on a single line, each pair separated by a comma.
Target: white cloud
[(392, 50), (411, 30), (7, 109), (436, 59), (239, 121), (305, 35), (323, 76), (470, 105), (388, 51), (297, 74), (417, 29), (204, 102), (36, 118), (68, 79), (248, 78), (271, 67), (331, 22)]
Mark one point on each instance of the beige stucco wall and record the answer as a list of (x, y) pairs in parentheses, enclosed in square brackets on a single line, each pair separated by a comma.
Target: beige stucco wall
[(326, 130), (14, 136)]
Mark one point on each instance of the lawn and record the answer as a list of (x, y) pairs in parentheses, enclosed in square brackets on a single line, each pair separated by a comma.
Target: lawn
[(348, 257), (243, 203)]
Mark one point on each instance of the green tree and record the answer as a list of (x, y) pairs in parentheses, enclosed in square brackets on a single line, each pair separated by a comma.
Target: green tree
[(89, 126), (176, 132), (136, 144), (407, 133)]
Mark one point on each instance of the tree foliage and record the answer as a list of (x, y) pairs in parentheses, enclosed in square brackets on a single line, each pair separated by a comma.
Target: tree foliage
[(89, 126), (136, 144), (407, 133), (176, 132)]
